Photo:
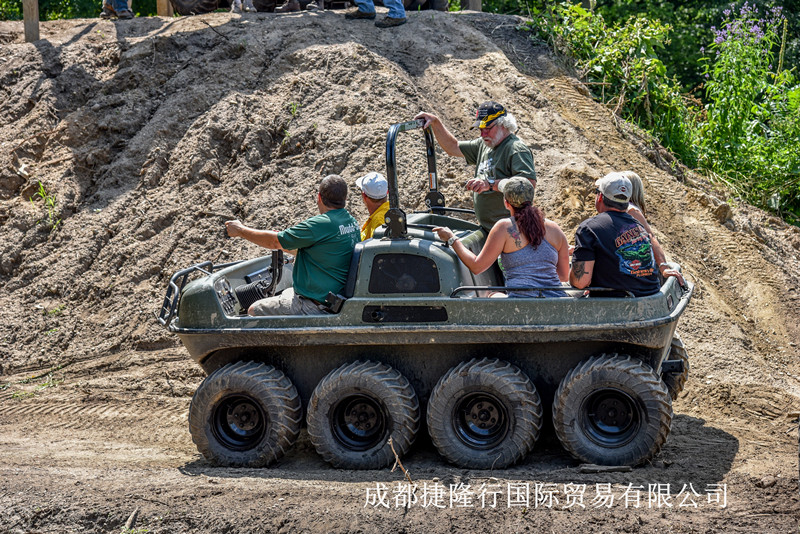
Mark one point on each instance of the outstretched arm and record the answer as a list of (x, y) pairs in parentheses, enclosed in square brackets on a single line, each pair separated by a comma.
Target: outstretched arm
[(446, 140), (488, 254), (264, 238)]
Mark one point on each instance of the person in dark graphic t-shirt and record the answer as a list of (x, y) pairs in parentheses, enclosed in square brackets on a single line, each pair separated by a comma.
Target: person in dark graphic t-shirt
[(612, 249)]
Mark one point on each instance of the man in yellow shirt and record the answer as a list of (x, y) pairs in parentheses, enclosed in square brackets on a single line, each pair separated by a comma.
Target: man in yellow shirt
[(374, 191)]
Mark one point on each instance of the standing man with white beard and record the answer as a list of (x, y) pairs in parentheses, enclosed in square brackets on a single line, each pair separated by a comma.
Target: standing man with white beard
[(497, 154)]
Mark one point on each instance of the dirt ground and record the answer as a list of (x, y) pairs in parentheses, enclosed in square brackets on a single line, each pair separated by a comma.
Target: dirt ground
[(146, 134)]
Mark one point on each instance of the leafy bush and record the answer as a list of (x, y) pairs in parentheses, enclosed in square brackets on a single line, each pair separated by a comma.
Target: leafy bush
[(620, 63), (752, 122), (747, 131)]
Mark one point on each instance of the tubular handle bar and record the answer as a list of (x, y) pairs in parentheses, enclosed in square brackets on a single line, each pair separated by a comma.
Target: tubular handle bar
[(175, 287), (461, 289)]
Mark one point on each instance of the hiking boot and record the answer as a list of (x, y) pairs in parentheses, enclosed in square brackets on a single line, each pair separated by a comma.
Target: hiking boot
[(358, 14), (108, 12), (389, 22), (125, 14), (289, 7)]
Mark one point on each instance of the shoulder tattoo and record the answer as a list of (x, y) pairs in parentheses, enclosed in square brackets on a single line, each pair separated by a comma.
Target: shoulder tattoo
[(513, 231)]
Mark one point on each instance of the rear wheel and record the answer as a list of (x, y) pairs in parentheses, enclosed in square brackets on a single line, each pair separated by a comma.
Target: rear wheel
[(245, 414), (194, 7), (675, 383), (612, 410), (356, 409), (484, 414)]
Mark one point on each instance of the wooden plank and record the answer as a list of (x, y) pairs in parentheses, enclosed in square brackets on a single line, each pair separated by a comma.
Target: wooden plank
[(30, 16), (471, 5)]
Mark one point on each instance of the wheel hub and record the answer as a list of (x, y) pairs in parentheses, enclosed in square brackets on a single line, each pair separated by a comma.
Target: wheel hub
[(243, 416), (480, 421), (359, 422), (611, 418), (239, 422)]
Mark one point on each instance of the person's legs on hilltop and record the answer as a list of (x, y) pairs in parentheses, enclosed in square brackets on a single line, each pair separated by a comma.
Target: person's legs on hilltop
[(396, 16), (121, 8), (366, 10)]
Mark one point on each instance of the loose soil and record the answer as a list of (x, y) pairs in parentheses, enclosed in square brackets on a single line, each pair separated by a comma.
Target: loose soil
[(147, 134)]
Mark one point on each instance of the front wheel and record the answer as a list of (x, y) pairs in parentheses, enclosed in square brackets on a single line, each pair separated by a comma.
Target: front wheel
[(356, 409), (245, 414), (484, 414), (612, 410)]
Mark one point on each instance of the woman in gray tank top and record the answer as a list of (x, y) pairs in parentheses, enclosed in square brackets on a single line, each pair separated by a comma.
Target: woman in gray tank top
[(532, 249)]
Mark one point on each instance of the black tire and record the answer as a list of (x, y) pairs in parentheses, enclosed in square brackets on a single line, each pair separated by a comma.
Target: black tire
[(675, 383), (354, 411), (484, 414), (612, 410), (194, 7), (245, 414), (265, 6)]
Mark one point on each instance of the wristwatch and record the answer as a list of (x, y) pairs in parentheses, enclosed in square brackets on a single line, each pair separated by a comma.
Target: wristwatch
[(451, 241), (491, 184)]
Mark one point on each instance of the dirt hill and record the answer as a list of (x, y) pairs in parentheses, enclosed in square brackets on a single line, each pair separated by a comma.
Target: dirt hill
[(146, 134)]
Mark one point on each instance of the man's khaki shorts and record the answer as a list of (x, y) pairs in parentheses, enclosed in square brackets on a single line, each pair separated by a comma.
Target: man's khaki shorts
[(287, 303)]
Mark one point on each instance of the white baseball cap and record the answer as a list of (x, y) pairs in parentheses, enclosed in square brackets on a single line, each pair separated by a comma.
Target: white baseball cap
[(615, 186), (374, 185)]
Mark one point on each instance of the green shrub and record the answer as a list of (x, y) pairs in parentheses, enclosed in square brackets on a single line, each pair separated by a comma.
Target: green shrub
[(752, 122), (620, 64)]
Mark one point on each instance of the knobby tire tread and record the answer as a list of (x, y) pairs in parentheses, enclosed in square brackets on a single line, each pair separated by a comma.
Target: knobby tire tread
[(381, 382), (511, 386), (263, 383), (614, 371)]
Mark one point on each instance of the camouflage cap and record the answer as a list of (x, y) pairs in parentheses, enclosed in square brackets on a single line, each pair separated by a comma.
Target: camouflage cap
[(517, 191)]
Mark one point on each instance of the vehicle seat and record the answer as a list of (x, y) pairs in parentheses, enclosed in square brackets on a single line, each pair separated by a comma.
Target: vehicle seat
[(350, 285)]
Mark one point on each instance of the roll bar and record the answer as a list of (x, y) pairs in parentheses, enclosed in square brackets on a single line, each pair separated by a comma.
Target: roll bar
[(396, 218)]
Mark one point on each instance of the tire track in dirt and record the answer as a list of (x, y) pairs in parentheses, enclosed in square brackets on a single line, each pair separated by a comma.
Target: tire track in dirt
[(83, 415)]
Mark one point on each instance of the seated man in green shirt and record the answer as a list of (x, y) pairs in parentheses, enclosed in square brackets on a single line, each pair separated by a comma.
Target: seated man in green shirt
[(496, 154), (324, 245)]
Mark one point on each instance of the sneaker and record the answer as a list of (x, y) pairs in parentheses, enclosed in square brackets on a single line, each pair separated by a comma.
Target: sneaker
[(108, 12), (389, 22), (125, 14), (358, 14)]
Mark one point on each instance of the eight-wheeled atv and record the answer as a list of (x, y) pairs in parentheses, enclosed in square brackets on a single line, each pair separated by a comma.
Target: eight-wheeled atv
[(411, 339)]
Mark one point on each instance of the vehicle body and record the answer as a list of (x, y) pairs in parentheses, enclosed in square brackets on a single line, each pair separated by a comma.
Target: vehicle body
[(412, 335)]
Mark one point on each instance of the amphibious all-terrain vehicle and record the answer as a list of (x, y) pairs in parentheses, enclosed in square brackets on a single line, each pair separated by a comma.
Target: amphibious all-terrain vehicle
[(412, 339)]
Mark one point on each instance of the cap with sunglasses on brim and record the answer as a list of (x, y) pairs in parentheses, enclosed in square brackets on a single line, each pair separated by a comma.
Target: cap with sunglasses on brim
[(615, 186), (487, 113)]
